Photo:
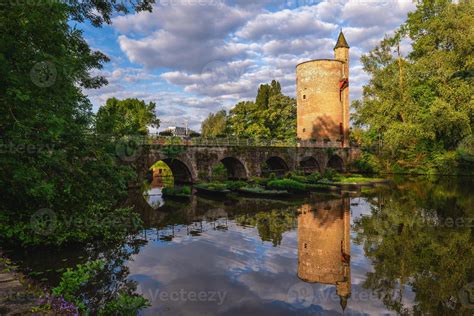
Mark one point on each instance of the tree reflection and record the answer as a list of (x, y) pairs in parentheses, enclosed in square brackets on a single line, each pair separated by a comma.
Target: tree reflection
[(113, 278), (420, 235), (271, 224), (110, 281)]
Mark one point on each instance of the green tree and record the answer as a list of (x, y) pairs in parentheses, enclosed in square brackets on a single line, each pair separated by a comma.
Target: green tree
[(418, 108), (280, 117), (272, 115), (101, 11), (215, 124), (126, 117), (265, 92), (244, 121), (50, 157)]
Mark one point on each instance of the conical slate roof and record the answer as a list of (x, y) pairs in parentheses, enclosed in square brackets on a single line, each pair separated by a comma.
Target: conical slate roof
[(341, 41)]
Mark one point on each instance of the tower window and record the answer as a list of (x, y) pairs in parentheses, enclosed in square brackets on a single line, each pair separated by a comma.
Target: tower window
[(304, 96), (304, 130)]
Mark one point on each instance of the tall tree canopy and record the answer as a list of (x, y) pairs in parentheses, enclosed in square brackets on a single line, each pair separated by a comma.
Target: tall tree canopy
[(214, 125), (272, 115), (50, 156), (126, 117), (420, 106), (100, 11)]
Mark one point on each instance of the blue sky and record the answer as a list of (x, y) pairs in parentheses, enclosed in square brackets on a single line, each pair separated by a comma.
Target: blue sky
[(193, 57)]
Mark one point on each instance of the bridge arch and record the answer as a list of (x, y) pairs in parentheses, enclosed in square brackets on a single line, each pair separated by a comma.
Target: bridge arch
[(275, 164), (182, 173), (335, 162), (235, 168), (309, 164)]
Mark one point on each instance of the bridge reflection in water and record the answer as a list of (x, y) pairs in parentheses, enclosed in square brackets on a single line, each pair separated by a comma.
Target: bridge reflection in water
[(322, 226), (324, 245)]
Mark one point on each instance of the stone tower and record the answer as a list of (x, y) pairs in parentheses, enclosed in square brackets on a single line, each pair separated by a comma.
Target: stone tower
[(322, 96), (324, 245)]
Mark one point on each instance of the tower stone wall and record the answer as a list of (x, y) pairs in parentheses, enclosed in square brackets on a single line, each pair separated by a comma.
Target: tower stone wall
[(322, 96)]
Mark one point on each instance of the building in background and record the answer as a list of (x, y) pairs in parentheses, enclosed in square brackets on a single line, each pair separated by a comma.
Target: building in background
[(178, 131)]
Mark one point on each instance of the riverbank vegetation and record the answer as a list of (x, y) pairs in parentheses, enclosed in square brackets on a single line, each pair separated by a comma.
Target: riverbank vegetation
[(416, 112), (60, 161), (62, 173), (291, 183), (68, 297), (180, 191)]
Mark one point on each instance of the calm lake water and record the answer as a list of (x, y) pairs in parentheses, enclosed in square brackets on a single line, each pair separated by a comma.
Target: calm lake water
[(402, 248)]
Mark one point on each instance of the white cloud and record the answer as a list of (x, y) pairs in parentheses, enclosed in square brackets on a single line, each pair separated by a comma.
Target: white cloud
[(381, 13), (299, 46), (286, 24), (185, 35), (194, 57)]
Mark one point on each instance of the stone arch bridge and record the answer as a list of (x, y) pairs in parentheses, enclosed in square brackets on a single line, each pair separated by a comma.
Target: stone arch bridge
[(194, 162)]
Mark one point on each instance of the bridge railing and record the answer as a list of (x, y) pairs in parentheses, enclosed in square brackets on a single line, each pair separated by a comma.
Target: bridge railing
[(237, 142)]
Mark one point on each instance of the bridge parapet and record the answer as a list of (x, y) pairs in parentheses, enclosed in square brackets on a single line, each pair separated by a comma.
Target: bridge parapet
[(238, 142)]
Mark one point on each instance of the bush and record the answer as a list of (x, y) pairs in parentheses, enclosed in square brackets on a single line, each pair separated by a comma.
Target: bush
[(397, 169), (314, 177), (331, 174), (296, 177), (124, 304), (368, 163), (259, 180), (217, 186), (75, 281), (234, 185), (446, 163), (184, 191), (286, 184), (219, 172)]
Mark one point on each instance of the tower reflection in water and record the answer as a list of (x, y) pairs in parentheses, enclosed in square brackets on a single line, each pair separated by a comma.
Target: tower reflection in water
[(324, 245)]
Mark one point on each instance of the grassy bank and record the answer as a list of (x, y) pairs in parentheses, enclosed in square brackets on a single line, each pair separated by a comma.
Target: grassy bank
[(293, 183)]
